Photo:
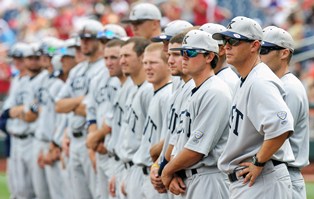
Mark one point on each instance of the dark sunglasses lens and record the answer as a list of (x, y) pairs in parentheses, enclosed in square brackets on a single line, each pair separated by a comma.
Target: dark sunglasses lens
[(191, 53), (231, 41), (264, 51)]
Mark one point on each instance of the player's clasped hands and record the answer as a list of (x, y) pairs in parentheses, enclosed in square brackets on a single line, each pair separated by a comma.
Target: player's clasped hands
[(156, 180), (251, 172)]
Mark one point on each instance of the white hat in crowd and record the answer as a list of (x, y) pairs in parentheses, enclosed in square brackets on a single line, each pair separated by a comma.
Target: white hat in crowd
[(112, 31), (274, 36), (213, 28), (143, 11), (200, 40), (173, 28), (241, 28), (90, 29)]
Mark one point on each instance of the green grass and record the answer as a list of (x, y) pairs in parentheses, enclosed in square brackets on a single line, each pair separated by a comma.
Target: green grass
[(310, 190), (4, 193)]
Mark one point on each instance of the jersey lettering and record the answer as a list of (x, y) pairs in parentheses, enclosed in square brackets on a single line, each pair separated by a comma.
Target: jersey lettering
[(239, 116), (185, 115), (153, 127), (135, 118), (173, 119)]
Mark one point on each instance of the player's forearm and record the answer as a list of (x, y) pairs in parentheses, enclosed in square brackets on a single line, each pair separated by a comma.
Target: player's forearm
[(29, 116), (155, 150), (269, 147), (168, 152), (67, 105), (80, 110), (183, 160), (105, 130)]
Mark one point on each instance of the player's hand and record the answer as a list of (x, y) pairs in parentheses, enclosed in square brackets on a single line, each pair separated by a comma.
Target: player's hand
[(40, 160), (251, 172), (156, 180), (123, 188), (92, 157), (16, 111), (177, 186), (66, 145), (92, 141), (166, 177), (101, 148), (112, 186)]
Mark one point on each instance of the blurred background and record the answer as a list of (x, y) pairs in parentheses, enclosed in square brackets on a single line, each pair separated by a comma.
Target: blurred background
[(31, 20)]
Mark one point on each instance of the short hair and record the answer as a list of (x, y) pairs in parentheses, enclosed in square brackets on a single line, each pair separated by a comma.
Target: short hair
[(214, 62), (114, 43), (157, 47), (140, 44)]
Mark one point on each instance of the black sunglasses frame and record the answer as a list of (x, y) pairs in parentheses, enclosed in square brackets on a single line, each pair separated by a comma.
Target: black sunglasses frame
[(265, 50)]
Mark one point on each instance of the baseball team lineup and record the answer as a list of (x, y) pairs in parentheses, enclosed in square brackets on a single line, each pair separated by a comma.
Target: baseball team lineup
[(185, 112)]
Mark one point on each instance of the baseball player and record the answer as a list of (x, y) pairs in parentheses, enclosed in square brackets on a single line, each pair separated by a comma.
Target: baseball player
[(200, 142), (222, 70), (70, 100), (16, 52), (44, 103), (131, 54), (173, 28), (172, 120), (276, 52), (260, 121), (145, 20), (112, 58), (158, 74)]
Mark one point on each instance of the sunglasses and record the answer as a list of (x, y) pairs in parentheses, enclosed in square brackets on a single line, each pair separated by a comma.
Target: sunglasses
[(139, 22), (266, 50), (233, 41), (107, 34), (192, 52)]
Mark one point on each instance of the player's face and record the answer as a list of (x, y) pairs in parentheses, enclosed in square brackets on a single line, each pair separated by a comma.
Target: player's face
[(68, 63), (89, 46), (32, 64), (237, 54), (79, 56), (130, 62), (193, 65), (272, 60), (45, 61), (143, 28), (112, 60), (157, 70), (175, 60), (18, 63)]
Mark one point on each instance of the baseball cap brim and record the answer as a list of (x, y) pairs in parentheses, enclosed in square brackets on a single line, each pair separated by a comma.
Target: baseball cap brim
[(267, 44), (87, 35), (161, 38), (221, 35)]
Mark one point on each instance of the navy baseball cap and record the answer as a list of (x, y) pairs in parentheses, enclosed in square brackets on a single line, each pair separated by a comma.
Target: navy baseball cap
[(241, 28)]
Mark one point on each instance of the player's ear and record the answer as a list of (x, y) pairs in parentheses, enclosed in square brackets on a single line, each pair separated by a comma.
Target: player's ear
[(255, 46), (222, 50), (284, 53), (210, 57)]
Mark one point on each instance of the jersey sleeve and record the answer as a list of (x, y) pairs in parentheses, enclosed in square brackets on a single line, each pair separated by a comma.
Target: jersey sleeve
[(209, 124), (90, 103), (267, 110)]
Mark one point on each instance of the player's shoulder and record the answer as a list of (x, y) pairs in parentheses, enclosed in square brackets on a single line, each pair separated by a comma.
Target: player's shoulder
[(292, 84)]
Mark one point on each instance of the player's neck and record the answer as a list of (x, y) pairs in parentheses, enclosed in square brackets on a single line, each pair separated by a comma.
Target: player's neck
[(122, 78), (139, 78), (202, 77), (245, 68), (282, 71)]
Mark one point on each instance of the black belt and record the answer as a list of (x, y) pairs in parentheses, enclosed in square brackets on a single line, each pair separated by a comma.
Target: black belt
[(145, 170), (182, 174), (23, 136), (77, 134), (128, 164), (115, 156), (233, 176)]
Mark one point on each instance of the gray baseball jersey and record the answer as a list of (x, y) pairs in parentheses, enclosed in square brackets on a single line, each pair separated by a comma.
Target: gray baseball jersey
[(133, 130), (153, 124), (46, 121), (119, 112), (258, 113), (77, 85), (172, 117), (229, 77), (297, 101), (99, 100), (211, 101)]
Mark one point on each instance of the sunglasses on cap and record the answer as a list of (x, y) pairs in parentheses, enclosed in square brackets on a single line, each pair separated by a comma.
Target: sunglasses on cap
[(233, 41), (107, 34), (265, 50), (192, 52)]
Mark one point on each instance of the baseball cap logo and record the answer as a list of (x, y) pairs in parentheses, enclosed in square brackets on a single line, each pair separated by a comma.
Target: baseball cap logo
[(282, 115), (229, 25), (184, 40)]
